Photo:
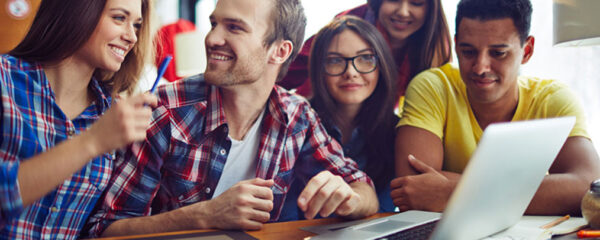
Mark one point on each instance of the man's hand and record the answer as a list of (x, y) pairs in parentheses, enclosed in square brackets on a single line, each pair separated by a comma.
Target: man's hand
[(429, 190), (325, 194), (246, 205)]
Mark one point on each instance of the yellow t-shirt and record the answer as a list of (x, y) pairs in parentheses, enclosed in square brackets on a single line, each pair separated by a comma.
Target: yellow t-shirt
[(436, 100)]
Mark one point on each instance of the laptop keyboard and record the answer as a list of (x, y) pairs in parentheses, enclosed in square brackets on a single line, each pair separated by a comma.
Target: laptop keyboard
[(414, 233)]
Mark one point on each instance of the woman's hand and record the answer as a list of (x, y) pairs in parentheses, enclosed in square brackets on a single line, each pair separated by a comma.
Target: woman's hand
[(125, 122)]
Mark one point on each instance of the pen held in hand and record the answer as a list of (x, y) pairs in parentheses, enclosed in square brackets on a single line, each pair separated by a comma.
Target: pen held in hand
[(161, 71)]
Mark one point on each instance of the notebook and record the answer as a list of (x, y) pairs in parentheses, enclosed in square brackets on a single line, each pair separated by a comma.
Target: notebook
[(496, 187)]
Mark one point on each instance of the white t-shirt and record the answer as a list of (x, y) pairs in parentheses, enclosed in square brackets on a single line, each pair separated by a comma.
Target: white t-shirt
[(241, 161)]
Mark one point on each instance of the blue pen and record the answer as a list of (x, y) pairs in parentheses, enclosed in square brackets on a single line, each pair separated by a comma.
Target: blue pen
[(161, 71)]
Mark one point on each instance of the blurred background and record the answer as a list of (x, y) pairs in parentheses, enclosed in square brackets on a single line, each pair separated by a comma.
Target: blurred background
[(182, 25)]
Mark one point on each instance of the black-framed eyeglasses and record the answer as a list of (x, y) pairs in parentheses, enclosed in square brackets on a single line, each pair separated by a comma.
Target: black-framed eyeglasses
[(363, 63)]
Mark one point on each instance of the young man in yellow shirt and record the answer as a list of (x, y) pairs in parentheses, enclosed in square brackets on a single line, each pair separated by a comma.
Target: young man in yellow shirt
[(446, 110)]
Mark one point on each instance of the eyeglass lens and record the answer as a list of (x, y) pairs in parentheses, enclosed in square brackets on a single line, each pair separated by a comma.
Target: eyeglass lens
[(337, 65)]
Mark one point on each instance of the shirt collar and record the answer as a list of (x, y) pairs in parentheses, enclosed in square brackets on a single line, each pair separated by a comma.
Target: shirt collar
[(215, 116), (102, 95), (277, 106)]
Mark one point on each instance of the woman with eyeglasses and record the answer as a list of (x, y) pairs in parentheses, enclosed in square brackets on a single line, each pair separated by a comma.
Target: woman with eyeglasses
[(415, 30), (353, 79)]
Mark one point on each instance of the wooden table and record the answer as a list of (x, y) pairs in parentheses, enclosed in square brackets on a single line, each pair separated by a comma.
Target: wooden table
[(282, 230)]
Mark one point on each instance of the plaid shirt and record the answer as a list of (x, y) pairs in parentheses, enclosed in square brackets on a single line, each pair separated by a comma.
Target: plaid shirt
[(187, 144), (32, 123)]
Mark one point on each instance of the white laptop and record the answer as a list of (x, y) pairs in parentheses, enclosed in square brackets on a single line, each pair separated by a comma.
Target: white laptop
[(496, 187)]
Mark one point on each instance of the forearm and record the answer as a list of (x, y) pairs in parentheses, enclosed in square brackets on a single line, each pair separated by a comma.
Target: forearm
[(180, 219), (40, 174), (575, 167), (559, 194), (369, 203)]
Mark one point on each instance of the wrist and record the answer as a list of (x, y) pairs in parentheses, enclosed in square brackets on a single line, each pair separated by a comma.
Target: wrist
[(88, 144), (196, 216)]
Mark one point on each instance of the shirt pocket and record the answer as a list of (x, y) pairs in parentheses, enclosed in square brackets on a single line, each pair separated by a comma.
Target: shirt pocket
[(283, 181), (181, 192)]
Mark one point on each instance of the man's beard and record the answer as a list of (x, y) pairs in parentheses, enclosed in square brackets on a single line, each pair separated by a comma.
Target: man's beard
[(243, 71)]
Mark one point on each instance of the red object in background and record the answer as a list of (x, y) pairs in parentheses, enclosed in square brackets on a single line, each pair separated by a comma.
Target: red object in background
[(165, 39)]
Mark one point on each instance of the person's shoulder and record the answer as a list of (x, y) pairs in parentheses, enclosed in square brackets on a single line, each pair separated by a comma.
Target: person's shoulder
[(358, 11), (9, 62), (291, 101), (184, 92), (7, 59), (296, 109), (444, 76), (13, 69), (446, 71), (539, 86)]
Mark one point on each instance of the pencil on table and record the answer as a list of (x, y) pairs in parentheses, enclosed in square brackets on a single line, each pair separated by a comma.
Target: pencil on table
[(556, 222)]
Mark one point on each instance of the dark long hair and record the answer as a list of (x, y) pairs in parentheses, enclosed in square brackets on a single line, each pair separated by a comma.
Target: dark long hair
[(429, 46), (61, 27), (376, 115)]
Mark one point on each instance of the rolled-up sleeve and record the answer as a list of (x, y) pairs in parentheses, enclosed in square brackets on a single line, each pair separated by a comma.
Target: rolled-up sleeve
[(11, 203)]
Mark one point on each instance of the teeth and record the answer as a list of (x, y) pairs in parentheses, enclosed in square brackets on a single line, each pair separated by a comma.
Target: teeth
[(220, 57), (118, 51), (400, 22)]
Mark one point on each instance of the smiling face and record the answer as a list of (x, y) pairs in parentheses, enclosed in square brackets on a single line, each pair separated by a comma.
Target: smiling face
[(402, 18), (490, 54), (351, 87), (235, 45), (114, 36)]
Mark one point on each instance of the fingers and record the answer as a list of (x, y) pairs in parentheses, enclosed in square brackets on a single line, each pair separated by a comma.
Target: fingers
[(262, 182), (397, 182), (259, 188), (325, 194), (398, 193), (311, 189), (418, 165), (247, 224), (254, 195), (260, 216), (254, 208), (134, 116), (399, 199), (143, 99), (246, 221), (348, 206), (320, 197)]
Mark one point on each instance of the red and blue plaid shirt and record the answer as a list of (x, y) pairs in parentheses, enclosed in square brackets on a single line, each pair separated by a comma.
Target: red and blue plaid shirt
[(32, 123), (187, 144)]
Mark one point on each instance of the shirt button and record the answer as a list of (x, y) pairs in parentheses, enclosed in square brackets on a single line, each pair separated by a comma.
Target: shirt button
[(70, 132), (54, 209), (207, 190), (223, 152)]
